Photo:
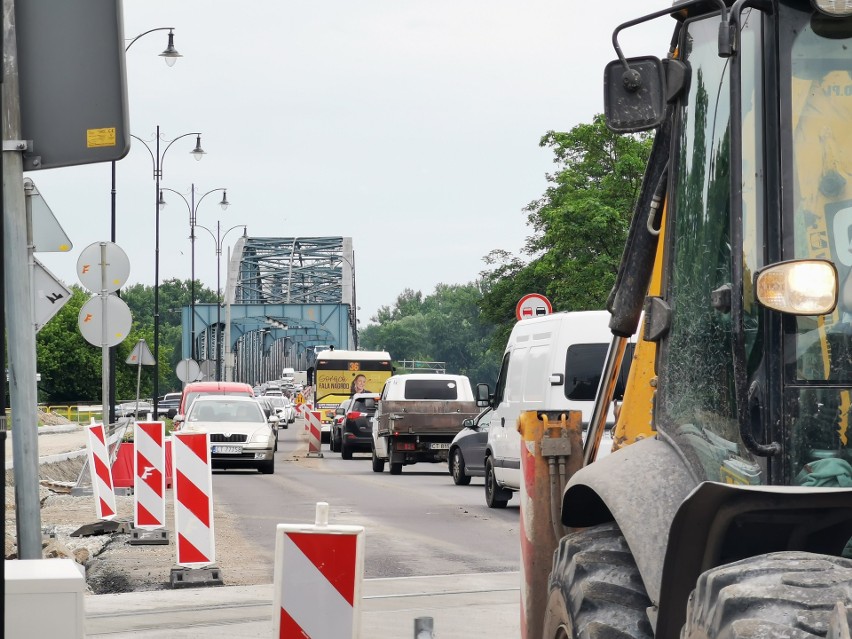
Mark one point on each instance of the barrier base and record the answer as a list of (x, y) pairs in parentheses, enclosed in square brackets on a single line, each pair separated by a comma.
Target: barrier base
[(191, 577), (123, 492), (142, 536), (314, 455), (102, 528), (81, 491)]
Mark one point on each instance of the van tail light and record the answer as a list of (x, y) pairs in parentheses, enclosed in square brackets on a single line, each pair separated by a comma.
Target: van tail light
[(355, 415), (406, 446)]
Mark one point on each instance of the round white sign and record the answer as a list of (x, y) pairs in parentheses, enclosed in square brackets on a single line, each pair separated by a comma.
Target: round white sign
[(118, 320), (187, 370), (93, 262)]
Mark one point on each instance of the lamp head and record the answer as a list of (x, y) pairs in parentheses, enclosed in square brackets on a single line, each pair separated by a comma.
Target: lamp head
[(198, 152), (224, 203), (161, 202), (170, 55)]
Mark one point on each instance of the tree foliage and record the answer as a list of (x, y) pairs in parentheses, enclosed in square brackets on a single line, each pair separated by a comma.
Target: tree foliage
[(70, 367), (442, 327), (579, 225)]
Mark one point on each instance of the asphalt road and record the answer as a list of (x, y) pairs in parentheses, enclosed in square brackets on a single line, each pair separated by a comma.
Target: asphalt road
[(418, 523)]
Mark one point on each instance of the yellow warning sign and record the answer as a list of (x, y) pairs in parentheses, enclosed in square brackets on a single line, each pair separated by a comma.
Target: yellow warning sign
[(96, 138)]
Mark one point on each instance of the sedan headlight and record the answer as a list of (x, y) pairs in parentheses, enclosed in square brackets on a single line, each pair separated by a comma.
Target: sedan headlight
[(260, 436)]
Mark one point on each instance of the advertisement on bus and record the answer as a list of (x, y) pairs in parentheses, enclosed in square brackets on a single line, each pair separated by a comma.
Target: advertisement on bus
[(341, 374)]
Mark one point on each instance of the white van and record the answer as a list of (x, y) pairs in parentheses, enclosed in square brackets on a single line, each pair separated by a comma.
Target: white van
[(551, 363)]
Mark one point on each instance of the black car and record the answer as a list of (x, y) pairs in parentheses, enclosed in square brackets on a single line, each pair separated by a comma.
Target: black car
[(467, 450), (168, 404), (356, 430)]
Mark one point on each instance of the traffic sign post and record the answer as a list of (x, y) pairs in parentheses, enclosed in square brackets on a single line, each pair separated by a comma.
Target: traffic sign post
[(139, 357), (533, 305)]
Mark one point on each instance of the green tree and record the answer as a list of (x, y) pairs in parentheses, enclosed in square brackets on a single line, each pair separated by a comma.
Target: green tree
[(579, 225), (444, 326)]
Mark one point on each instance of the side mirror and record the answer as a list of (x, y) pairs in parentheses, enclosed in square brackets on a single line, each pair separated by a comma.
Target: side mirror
[(483, 395), (467, 423), (634, 97)]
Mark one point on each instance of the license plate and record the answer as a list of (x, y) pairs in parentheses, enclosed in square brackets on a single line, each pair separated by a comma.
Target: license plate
[(439, 446), (226, 450)]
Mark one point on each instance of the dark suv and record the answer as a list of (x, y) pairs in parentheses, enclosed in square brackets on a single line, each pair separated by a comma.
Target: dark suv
[(357, 429)]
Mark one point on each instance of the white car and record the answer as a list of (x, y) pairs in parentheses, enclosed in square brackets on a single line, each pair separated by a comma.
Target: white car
[(240, 434), (283, 407)]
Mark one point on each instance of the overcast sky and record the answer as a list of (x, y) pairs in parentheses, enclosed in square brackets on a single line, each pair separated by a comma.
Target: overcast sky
[(410, 125)]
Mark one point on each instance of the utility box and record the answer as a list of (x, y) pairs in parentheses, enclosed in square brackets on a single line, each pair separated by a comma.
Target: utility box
[(43, 598)]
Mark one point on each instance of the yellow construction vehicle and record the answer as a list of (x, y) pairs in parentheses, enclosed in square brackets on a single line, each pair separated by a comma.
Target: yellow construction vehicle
[(727, 509)]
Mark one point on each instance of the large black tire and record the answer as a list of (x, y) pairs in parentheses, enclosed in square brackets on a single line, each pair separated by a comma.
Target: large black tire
[(332, 444), (267, 467), (345, 451), (378, 464), (595, 591), (396, 468), (460, 478), (495, 496), (782, 594)]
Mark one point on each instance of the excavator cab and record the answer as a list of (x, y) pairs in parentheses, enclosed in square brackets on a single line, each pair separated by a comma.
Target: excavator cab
[(736, 487)]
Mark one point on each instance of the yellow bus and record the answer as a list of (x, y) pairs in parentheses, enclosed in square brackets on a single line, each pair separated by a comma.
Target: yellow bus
[(341, 374)]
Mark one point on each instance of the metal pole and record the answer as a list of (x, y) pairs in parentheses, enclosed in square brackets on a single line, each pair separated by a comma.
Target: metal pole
[(105, 339), (157, 277), (20, 322), (114, 350), (192, 352), (218, 301), (229, 363)]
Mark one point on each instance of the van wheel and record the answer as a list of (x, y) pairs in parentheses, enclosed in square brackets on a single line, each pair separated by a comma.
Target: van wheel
[(460, 478), (396, 468), (495, 496), (378, 464)]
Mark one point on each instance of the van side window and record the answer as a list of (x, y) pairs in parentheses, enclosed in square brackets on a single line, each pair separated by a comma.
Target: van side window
[(583, 367), (501, 380)]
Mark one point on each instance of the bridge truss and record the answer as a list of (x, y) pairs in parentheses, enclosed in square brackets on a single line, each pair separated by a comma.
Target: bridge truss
[(285, 299)]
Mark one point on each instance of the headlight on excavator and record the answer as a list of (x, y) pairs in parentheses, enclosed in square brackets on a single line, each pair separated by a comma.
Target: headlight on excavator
[(799, 287), (837, 8)]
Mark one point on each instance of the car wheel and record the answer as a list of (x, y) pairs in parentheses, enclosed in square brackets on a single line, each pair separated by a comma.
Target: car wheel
[(275, 448), (396, 468), (495, 496), (460, 478), (267, 467), (345, 451), (378, 464)]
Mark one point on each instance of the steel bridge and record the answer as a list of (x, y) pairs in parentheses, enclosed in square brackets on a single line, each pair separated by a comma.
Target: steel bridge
[(285, 298)]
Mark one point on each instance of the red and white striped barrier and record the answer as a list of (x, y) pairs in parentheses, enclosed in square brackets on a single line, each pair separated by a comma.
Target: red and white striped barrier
[(314, 427), (193, 486), (99, 468), (318, 574), (149, 475)]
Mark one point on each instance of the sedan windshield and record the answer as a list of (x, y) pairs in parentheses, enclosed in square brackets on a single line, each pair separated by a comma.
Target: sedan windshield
[(225, 412)]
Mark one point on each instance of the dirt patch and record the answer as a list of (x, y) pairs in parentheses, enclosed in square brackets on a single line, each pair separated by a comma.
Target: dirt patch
[(113, 564)]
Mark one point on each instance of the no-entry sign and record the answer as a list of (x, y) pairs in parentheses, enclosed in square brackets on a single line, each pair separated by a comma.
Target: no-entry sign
[(533, 305)]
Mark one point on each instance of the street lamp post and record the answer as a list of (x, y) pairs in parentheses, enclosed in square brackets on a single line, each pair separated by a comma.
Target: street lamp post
[(170, 55), (192, 206), (219, 239), (158, 161)]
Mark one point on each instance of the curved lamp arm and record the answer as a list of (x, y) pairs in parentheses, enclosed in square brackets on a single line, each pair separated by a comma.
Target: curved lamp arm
[(146, 33)]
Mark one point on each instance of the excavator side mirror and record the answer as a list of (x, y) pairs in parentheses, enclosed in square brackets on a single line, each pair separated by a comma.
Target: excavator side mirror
[(634, 94)]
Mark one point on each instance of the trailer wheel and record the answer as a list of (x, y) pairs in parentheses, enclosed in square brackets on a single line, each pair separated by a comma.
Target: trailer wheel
[(595, 588), (782, 594), (378, 464)]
